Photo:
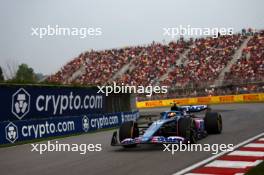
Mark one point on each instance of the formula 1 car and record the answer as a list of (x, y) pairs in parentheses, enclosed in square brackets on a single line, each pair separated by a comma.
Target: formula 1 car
[(178, 125)]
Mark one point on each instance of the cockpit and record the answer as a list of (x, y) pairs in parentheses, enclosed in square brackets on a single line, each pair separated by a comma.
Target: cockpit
[(170, 114)]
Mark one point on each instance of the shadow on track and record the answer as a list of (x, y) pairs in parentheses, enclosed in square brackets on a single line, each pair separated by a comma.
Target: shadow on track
[(140, 148)]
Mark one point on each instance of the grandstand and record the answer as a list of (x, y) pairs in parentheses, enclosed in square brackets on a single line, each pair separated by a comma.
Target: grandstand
[(250, 66), (203, 63)]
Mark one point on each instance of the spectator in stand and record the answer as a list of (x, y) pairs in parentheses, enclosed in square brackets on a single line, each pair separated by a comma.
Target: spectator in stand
[(206, 59), (250, 67), (153, 62)]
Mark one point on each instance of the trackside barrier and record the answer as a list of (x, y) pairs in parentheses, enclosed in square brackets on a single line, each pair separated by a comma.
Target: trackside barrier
[(241, 98), (35, 102), (21, 130)]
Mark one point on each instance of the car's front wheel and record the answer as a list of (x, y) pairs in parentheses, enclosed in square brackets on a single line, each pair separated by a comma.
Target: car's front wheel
[(128, 130), (186, 129)]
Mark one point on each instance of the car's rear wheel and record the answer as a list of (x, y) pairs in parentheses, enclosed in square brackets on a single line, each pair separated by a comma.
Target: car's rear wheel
[(213, 123), (186, 129), (128, 130)]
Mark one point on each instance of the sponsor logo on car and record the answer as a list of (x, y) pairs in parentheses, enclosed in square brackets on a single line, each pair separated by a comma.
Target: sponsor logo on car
[(171, 139), (128, 141)]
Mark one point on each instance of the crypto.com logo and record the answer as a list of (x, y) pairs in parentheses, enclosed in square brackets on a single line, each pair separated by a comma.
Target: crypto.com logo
[(85, 123), (20, 103), (11, 132)]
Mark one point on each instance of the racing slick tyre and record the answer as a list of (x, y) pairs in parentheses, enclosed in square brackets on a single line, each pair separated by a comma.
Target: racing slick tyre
[(186, 129), (213, 123), (128, 130)]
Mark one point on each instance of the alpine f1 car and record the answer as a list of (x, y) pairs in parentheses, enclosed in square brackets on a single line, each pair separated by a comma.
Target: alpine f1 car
[(178, 125)]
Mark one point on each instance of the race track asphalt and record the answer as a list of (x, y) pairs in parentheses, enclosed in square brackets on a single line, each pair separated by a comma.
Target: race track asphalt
[(241, 121)]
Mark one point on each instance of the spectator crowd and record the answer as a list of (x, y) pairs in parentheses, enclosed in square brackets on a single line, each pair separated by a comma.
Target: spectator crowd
[(203, 62), (206, 59), (250, 67)]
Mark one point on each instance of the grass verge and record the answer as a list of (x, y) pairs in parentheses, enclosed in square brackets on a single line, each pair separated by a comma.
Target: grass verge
[(258, 170)]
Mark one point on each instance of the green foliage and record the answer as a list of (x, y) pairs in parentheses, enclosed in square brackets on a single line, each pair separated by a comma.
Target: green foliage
[(258, 170), (24, 74), (1, 75)]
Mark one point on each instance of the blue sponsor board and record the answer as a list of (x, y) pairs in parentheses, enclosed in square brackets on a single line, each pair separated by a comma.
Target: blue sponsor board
[(27, 102), (21, 130)]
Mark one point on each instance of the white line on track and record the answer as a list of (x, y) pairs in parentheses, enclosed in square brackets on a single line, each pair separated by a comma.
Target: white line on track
[(188, 169), (230, 164), (247, 153), (255, 145), (198, 174)]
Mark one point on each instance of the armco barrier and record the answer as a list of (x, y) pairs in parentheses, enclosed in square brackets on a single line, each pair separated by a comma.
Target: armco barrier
[(241, 98), (21, 130), (28, 102)]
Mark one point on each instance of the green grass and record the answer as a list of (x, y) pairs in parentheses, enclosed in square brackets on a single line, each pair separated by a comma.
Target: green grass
[(53, 138), (258, 170)]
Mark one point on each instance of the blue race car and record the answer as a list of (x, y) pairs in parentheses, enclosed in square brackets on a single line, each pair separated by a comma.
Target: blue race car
[(178, 125)]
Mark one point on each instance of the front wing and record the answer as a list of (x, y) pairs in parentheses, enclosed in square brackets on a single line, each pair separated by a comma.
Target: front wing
[(147, 140)]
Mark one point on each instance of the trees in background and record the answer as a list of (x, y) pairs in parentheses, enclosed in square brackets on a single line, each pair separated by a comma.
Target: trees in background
[(1, 75), (21, 74), (25, 74)]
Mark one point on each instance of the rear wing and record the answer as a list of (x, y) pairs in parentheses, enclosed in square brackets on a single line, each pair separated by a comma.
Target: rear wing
[(195, 108)]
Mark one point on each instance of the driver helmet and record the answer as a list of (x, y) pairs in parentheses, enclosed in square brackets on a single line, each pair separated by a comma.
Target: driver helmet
[(171, 114)]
